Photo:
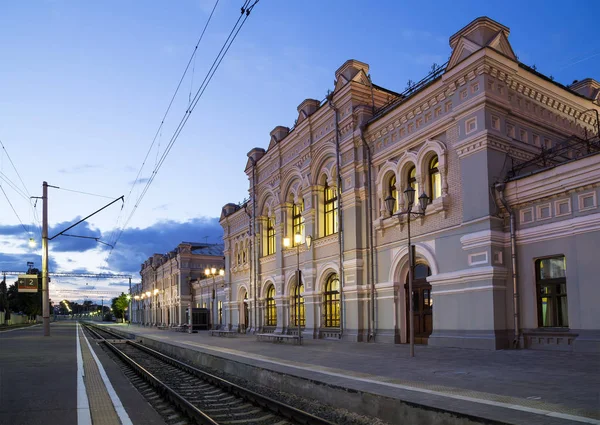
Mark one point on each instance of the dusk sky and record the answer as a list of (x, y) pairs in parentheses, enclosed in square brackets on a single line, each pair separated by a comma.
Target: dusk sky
[(84, 86)]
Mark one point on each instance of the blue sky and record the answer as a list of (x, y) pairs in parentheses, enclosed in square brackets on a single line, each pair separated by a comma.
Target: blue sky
[(84, 85)]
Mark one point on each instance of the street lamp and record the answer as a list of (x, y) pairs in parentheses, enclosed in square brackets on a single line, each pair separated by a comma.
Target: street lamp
[(297, 242), (213, 272), (409, 194)]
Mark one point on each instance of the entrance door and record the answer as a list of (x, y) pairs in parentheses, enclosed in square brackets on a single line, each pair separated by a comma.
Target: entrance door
[(422, 302)]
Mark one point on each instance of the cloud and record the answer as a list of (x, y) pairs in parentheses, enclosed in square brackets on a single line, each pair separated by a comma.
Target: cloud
[(160, 207), (119, 284), (141, 180), (79, 168)]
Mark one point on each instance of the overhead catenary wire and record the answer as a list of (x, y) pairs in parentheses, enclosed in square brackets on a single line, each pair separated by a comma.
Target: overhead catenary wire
[(15, 168), (13, 208), (85, 193), (245, 13), (114, 234)]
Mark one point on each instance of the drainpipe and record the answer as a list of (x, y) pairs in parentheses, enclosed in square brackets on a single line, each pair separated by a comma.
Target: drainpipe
[(513, 255), (253, 242), (340, 216), (370, 230)]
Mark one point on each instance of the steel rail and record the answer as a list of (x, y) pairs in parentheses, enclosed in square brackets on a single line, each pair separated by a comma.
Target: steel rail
[(280, 408), (192, 411)]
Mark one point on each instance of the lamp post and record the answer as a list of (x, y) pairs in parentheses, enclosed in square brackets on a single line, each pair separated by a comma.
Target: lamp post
[(297, 242), (409, 193), (213, 272)]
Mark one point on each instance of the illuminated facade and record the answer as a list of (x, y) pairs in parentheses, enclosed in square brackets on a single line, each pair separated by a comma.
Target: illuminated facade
[(486, 138)]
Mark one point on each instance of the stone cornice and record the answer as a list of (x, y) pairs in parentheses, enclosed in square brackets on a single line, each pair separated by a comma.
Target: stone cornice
[(486, 140), (560, 179)]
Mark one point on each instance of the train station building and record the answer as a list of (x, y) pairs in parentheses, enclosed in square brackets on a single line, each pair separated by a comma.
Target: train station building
[(503, 255)]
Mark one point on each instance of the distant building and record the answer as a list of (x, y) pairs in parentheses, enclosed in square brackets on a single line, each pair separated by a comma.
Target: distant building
[(166, 291), (487, 138)]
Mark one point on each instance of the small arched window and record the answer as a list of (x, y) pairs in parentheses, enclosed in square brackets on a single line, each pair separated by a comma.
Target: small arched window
[(435, 179), (271, 311), (270, 236), (393, 192), (244, 250), (239, 254), (331, 300), (297, 302), (412, 180), (331, 206), (297, 221)]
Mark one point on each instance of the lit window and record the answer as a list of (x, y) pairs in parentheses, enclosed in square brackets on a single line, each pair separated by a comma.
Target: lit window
[(393, 192), (435, 179), (331, 206), (552, 292), (412, 180), (270, 236), (297, 221), (296, 302), (331, 300), (220, 305), (271, 311)]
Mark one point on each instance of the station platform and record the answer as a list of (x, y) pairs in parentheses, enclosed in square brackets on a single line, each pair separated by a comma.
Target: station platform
[(509, 386), (63, 379)]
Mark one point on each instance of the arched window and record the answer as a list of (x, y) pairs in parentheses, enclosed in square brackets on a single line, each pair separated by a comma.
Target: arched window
[(435, 179), (297, 299), (270, 236), (331, 301), (239, 254), (297, 221), (412, 180), (244, 249), (393, 192), (220, 305), (331, 206), (271, 312)]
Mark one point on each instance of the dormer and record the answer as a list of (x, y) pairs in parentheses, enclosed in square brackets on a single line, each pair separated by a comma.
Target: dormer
[(229, 209), (350, 70), (253, 156), (307, 108), (277, 135), (480, 33), (588, 88)]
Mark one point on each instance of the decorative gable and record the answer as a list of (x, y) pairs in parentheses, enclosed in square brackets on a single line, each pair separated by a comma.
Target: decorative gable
[(351, 70), (482, 32)]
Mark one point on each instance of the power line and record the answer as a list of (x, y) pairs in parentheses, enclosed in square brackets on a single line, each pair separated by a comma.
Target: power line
[(158, 131), (13, 186), (13, 208), (85, 193), (15, 168), (245, 12)]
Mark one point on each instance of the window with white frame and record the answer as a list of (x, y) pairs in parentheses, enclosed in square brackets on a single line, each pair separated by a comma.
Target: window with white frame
[(587, 201), (495, 122), (526, 215), (523, 135), (543, 212), (435, 179), (470, 125), (562, 207)]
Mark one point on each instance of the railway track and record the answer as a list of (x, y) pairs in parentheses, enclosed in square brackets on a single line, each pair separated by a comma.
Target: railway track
[(203, 397)]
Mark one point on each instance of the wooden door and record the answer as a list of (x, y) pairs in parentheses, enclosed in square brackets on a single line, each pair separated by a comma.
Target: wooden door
[(423, 304)]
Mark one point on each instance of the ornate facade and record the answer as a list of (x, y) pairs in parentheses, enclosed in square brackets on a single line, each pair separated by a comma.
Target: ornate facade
[(459, 136), (168, 289)]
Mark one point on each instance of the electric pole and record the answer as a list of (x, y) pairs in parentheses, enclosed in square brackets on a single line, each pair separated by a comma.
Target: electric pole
[(45, 292)]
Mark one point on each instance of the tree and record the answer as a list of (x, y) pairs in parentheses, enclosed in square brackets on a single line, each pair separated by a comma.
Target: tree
[(119, 305)]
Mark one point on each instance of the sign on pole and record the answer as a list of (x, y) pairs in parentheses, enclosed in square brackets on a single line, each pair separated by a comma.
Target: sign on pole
[(28, 283)]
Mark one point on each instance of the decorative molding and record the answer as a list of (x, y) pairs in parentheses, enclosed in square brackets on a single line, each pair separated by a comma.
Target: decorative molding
[(483, 238), (559, 229), (325, 240), (470, 275)]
